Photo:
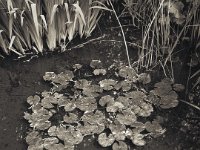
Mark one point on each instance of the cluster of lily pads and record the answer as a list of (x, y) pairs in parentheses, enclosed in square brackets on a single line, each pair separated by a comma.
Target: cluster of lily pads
[(107, 103)]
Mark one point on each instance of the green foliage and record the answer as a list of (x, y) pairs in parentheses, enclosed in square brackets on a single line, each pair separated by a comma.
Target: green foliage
[(29, 25)]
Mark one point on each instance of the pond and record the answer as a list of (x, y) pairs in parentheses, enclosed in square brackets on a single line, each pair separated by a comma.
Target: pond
[(20, 79)]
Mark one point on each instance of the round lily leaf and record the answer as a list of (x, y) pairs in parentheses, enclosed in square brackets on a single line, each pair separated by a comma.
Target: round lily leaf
[(92, 90), (77, 66), (114, 107), (118, 130), (125, 85), (39, 119), (128, 73), (127, 117), (71, 118), (106, 100), (33, 100), (47, 102), (96, 64), (69, 135), (68, 104), (60, 146), (105, 140), (107, 84), (49, 142), (99, 72), (169, 101), (94, 118), (52, 131), (178, 87), (90, 129), (120, 145), (87, 104), (82, 83), (144, 78), (33, 138), (49, 76), (153, 127), (137, 139)]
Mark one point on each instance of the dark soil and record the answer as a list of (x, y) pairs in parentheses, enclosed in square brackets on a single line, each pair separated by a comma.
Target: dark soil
[(19, 79)]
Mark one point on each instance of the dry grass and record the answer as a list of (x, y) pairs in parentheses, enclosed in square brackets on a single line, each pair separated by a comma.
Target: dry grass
[(164, 23)]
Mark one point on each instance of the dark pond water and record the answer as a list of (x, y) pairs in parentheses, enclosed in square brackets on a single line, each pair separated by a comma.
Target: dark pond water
[(19, 79)]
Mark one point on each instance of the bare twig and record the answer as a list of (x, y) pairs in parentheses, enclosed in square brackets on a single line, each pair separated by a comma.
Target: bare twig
[(190, 104), (87, 42), (124, 38), (117, 41)]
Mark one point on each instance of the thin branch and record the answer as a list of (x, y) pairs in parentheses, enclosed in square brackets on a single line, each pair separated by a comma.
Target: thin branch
[(87, 42), (124, 38), (190, 104)]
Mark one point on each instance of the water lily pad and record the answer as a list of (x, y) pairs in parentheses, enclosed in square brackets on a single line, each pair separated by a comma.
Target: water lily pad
[(77, 66), (70, 118), (136, 97), (144, 78), (87, 104), (82, 83), (49, 76), (69, 135), (48, 102), (99, 72), (39, 119), (178, 87), (125, 85), (52, 131), (169, 101), (68, 104), (49, 142), (137, 139), (96, 64), (33, 100), (107, 84), (61, 78), (33, 138), (163, 88), (124, 100), (114, 107), (60, 146), (120, 145), (127, 117), (105, 140), (128, 73), (106, 100), (92, 90), (94, 118), (154, 127), (118, 130), (90, 129)]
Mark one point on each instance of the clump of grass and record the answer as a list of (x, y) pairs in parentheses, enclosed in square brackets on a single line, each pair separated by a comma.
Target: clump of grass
[(29, 25), (164, 24)]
